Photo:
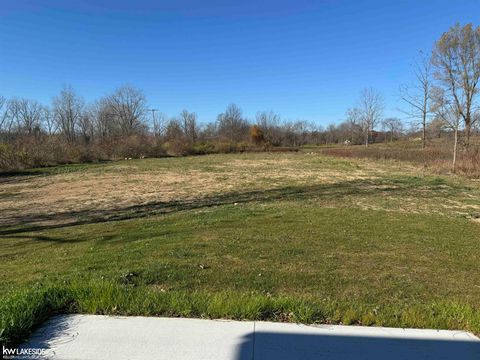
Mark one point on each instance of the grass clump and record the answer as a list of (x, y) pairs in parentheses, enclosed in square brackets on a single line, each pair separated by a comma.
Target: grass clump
[(21, 311)]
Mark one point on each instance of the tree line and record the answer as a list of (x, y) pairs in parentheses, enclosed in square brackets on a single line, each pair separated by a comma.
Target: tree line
[(441, 99), (122, 124)]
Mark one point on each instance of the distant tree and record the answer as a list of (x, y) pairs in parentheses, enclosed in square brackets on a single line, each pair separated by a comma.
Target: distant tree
[(175, 137), (231, 124), (418, 94), (316, 136), (103, 118), (208, 132), (174, 130), (436, 127), (354, 124), (128, 106), (26, 115), (86, 127), (49, 123), (332, 134), (189, 124), (7, 118), (394, 126), (269, 123), (160, 124), (68, 108), (371, 106), (456, 57), (303, 130), (289, 133), (343, 133), (3, 114)]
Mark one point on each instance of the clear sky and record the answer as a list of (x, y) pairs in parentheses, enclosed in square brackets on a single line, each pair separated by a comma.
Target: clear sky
[(304, 59)]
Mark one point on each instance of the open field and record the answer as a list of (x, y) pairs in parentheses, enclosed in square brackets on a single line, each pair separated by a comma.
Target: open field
[(283, 236)]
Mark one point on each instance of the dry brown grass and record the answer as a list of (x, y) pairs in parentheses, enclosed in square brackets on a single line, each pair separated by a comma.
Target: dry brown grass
[(437, 157), (133, 186), (130, 183)]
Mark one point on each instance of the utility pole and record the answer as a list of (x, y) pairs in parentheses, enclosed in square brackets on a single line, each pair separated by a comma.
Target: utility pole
[(154, 122)]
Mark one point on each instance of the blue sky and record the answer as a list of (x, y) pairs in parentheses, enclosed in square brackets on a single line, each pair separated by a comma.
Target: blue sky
[(304, 59)]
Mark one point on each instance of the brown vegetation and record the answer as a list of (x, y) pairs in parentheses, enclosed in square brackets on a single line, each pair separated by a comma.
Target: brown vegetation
[(437, 156)]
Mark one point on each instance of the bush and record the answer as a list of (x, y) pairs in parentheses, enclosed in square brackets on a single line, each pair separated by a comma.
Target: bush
[(203, 148), (178, 147), (257, 135)]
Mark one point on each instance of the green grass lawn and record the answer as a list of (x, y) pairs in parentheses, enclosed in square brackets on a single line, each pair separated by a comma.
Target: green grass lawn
[(389, 246)]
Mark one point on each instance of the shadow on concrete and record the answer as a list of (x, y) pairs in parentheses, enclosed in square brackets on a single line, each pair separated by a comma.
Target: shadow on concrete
[(293, 346), (80, 337), (58, 330)]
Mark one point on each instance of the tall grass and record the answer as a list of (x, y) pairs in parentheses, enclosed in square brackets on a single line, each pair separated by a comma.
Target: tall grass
[(437, 156)]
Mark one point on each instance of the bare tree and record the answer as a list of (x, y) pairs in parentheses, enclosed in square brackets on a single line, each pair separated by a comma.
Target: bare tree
[(231, 124), (160, 125), (175, 137), (456, 57), (86, 127), (354, 122), (49, 123), (189, 124), (269, 122), (436, 127), (128, 106), (418, 94), (3, 113), (446, 111), (68, 109), (208, 132), (303, 128), (100, 115), (371, 106), (332, 134), (26, 115), (174, 131), (393, 126), (9, 117)]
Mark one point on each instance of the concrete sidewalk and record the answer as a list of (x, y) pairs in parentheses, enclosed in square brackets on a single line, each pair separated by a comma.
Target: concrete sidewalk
[(79, 337)]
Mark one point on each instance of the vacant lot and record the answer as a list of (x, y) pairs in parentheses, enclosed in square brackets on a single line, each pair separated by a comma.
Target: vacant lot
[(285, 236)]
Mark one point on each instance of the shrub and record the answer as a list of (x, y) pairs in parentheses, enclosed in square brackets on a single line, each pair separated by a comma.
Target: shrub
[(203, 148), (257, 135)]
